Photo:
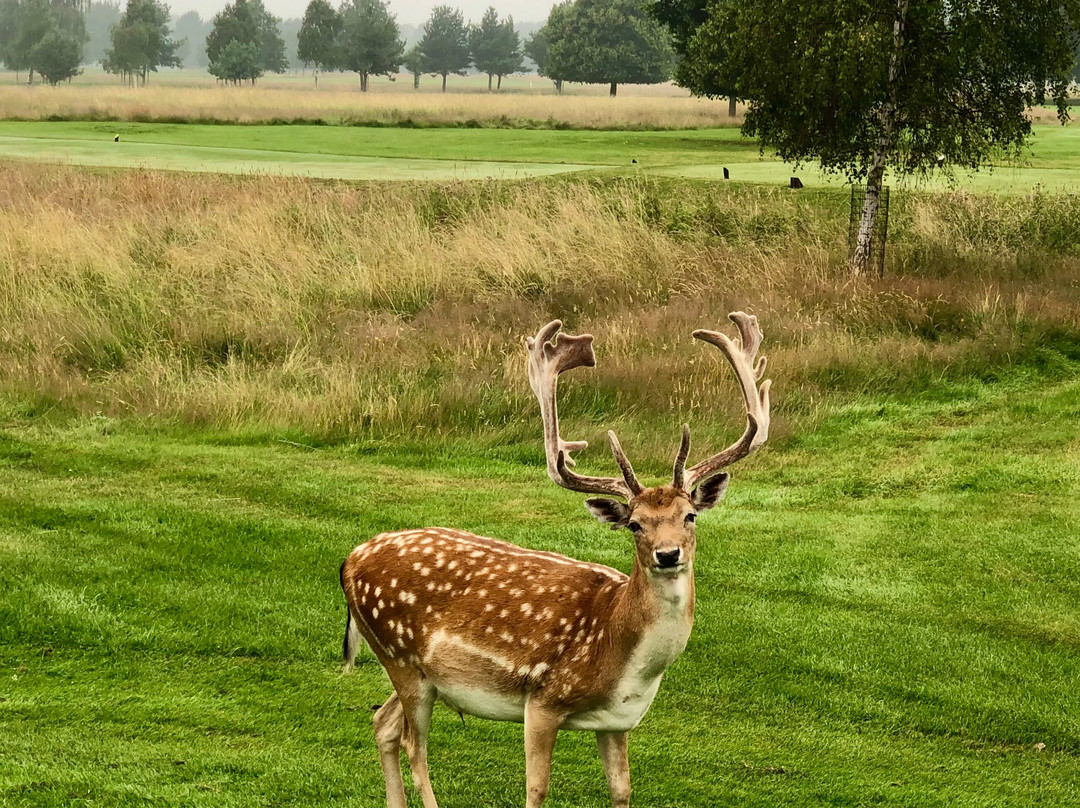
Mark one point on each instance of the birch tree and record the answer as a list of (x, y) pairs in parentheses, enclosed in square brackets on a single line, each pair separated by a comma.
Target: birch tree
[(869, 86)]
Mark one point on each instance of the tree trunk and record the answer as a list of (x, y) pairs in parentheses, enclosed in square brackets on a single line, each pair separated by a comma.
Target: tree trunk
[(613, 89), (860, 259), (731, 110), (30, 77), (558, 86), (363, 82), (444, 82), (499, 85), (416, 81), (489, 82), (315, 73)]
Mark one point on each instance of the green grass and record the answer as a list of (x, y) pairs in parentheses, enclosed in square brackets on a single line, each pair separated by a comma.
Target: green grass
[(392, 153), (889, 614)]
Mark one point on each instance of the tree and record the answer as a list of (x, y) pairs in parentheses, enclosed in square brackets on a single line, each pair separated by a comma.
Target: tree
[(234, 22), (712, 74), (370, 42), (236, 62), (536, 47), (140, 41), (608, 41), (495, 46), (272, 56), (414, 63), (445, 44), (191, 31), (248, 23), (865, 85), (56, 56), (317, 40), (100, 17), (9, 21)]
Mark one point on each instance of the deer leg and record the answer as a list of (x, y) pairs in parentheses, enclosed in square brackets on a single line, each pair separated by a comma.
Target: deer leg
[(389, 724), (541, 728), (417, 708), (612, 746)]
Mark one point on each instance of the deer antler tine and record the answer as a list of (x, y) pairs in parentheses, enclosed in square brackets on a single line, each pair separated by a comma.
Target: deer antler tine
[(748, 371), (624, 465), (550, 354), (679, 475)]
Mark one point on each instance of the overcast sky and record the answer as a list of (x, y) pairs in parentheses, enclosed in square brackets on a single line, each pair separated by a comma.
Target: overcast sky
[(413, 12)]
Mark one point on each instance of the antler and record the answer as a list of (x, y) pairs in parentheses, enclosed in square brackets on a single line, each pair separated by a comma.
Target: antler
[(547, 359), (742, 357)]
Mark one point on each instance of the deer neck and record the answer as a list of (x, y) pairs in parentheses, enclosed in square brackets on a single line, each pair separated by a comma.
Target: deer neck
[(652, 616)]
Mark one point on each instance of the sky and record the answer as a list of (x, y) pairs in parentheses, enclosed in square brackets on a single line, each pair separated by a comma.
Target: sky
[(411, 12)]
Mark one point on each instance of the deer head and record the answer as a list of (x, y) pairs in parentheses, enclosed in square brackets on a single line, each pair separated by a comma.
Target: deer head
[(661, 518)]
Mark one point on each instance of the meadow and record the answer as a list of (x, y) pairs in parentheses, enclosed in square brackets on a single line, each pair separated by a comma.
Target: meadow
[(213, 386), (525, 102)]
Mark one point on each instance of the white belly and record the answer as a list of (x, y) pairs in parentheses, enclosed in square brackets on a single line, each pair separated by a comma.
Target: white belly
[(482, 704)]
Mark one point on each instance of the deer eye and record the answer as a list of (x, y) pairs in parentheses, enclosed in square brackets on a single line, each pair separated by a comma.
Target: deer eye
[(691, 517), (633, 527)]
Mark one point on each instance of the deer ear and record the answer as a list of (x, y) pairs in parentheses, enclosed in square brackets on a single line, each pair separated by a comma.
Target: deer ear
[(710, 492), (609, 510)]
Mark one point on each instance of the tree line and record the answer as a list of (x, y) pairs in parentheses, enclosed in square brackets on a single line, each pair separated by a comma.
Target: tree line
[(607, 41)]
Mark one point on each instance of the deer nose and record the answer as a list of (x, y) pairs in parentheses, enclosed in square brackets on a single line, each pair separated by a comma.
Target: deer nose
[(667, 558)]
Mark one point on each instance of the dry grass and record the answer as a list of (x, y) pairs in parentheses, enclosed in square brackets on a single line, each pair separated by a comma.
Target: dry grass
[(390, 310), (263, 104)]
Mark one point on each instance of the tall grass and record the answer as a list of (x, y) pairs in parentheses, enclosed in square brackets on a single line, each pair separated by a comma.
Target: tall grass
[(389, 310), (348, 106)]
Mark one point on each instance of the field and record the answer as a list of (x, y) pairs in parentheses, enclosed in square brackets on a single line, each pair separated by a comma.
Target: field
[(213, 386)]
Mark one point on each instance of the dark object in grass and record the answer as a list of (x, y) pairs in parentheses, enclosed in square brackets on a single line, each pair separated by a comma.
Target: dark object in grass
[(116, 139), (796, 183), (727, 174)]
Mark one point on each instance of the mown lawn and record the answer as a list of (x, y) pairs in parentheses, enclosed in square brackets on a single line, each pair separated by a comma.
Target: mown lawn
[(354, 152), (889, 614)]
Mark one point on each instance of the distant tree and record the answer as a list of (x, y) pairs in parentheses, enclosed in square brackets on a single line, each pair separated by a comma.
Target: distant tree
[(248, 23), (56, 56), (317, 41), (272, 56), (445, 44), (609, 41), (370, 41), (234, 22), (141, 42), (9, 21), (495, 46), (191, 30), (536, 46), (414, 63), (100, 17), (34, 20), (863, 86), (236, 62), (713, 75), (289, 28)]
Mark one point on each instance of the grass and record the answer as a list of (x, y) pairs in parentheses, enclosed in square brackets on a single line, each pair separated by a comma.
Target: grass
[(384, 311), (212, 387), (392, 153), (527, 102), (887, 614)]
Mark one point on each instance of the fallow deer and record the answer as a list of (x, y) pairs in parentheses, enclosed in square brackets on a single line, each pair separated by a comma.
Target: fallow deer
[(501, 632)]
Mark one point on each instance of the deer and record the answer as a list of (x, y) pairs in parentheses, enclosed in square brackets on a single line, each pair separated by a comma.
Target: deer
[(501, 632)]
